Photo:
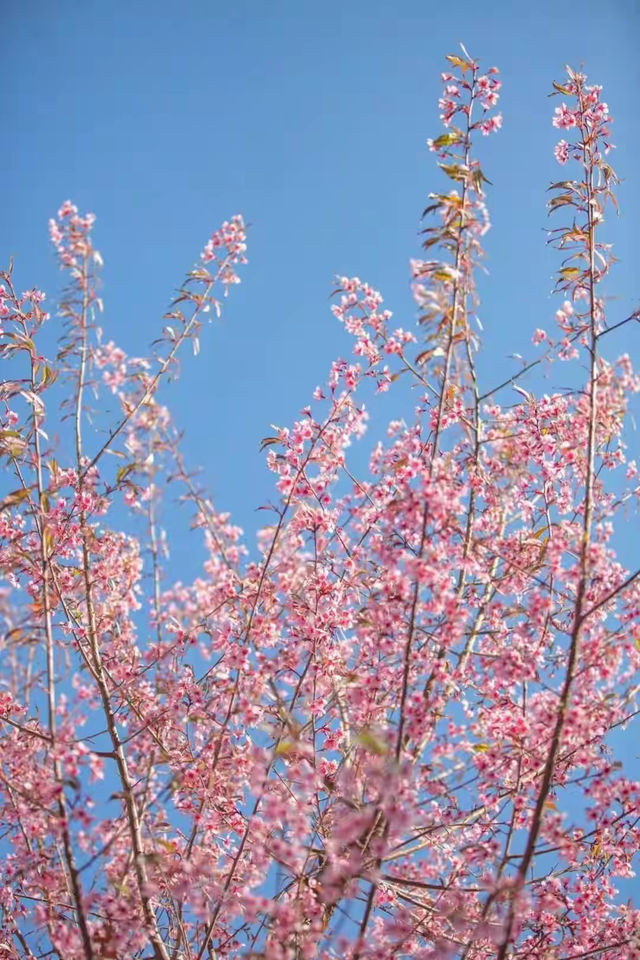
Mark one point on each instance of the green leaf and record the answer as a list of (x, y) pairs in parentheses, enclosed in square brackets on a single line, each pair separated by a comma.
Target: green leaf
[(570, 273), (455, 171), (458, 62), (49, 376), (123, 472), (541, 533), (14, 498), (371, 742), (447, 140), (565, 199), (267, 442)]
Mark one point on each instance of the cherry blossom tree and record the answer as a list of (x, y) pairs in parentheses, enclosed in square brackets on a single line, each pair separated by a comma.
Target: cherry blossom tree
[(389, 731)]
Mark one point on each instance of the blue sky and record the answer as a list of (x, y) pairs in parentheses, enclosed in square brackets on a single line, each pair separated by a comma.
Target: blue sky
[(310, 119)]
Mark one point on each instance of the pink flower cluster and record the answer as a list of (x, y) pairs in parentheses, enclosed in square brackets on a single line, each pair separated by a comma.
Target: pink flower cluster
[(488, 86), (459, 94), (69, 234), (491, 125), (227, 247), (588, 113)]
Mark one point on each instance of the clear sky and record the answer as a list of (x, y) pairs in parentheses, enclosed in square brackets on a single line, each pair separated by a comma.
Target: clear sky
[(311, 119)]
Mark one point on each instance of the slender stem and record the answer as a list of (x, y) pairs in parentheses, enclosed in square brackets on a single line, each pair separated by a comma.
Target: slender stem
[(135, 828), (155, 562), (583, 578), (455, 307), (74, 880)]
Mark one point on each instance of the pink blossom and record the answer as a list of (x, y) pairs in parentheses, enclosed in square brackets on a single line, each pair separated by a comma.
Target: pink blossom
[(561, 151), (491, 125), (564, 118)]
